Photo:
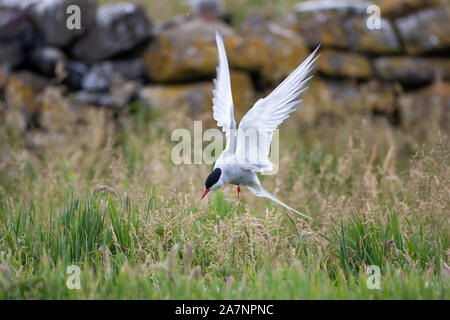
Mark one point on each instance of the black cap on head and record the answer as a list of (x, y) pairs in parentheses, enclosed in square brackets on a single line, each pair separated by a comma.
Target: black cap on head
[(213, 178)]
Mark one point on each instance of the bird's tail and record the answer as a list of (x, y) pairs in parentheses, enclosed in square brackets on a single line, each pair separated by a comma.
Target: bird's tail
[(261, 192)]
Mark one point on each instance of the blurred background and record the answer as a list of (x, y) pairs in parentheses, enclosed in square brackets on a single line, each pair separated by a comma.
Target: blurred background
[(162, 54)]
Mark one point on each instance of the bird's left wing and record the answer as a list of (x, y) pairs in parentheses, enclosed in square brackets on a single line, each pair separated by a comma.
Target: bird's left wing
[(223, 109), (267, 114)]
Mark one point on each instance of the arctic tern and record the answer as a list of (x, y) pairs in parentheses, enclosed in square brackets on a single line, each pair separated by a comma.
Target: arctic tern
[(233, 165)]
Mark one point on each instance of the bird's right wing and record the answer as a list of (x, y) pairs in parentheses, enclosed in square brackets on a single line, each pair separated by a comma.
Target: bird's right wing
[(223, 109), (267, 114)]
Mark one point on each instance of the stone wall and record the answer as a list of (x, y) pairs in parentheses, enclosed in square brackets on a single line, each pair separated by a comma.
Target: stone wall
[(119, 55)]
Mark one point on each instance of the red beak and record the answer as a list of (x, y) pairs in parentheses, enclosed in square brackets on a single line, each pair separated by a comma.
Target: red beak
[(204, 194)]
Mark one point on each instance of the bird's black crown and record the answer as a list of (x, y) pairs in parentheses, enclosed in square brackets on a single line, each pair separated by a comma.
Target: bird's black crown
[(213, 178)]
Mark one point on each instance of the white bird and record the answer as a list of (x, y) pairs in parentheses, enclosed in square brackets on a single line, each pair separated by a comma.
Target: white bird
[(233, 165)]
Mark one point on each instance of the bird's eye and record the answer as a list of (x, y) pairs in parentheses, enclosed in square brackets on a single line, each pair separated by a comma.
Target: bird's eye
[(213, 178)]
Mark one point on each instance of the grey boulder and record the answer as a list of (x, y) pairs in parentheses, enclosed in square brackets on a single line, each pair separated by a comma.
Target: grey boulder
[(11, 53), (46, 59), (51, 18), (118, 28), (104, 75), (426, 31)]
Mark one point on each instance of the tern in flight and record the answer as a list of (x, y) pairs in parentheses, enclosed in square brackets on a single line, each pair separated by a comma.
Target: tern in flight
[(233, 165)]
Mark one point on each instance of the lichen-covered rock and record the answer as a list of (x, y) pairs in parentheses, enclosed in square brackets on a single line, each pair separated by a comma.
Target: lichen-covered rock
[(3, 113), (380, 97), (431, 101), (93, 98), (322, 22), (326, 29), (23, 92), (75, 73), (13, 21), (191, 99), (12, 118), (426, 30), (196, 98), (332, 97), (11, 53), (118, 97), (341, 98), (103, 75), (53, 62), (46, 59), (362, 39), (4, 74), (243, 92), (56, 113), (186, 51), (397, 8), (251, 52), (267, 48), (344, 64), (16, 25), (225, 17), (343, 8), (18, 5), (208, 9), (118, 28), (51, 16), (412, 70)]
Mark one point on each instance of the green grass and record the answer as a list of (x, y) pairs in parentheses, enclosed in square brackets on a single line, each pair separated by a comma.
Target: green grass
[(101, 239), (152, 238)]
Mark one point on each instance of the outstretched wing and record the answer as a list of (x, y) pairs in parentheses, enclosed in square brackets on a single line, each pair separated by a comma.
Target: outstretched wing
[(267, 114), (223, 109)]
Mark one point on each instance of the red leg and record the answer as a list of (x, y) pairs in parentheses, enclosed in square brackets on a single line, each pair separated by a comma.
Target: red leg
[(238, 191)]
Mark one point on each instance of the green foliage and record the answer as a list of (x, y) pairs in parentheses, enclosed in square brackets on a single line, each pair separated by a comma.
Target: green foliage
[(148, 236), (360, 242)]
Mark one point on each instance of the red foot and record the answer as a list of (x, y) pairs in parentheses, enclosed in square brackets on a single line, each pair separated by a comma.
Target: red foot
[(238, 191)]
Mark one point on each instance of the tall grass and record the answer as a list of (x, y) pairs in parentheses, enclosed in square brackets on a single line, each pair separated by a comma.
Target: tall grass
[(112, 203)]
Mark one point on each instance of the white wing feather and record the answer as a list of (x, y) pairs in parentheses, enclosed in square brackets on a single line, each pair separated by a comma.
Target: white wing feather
[(268, 113), (223, 109)]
